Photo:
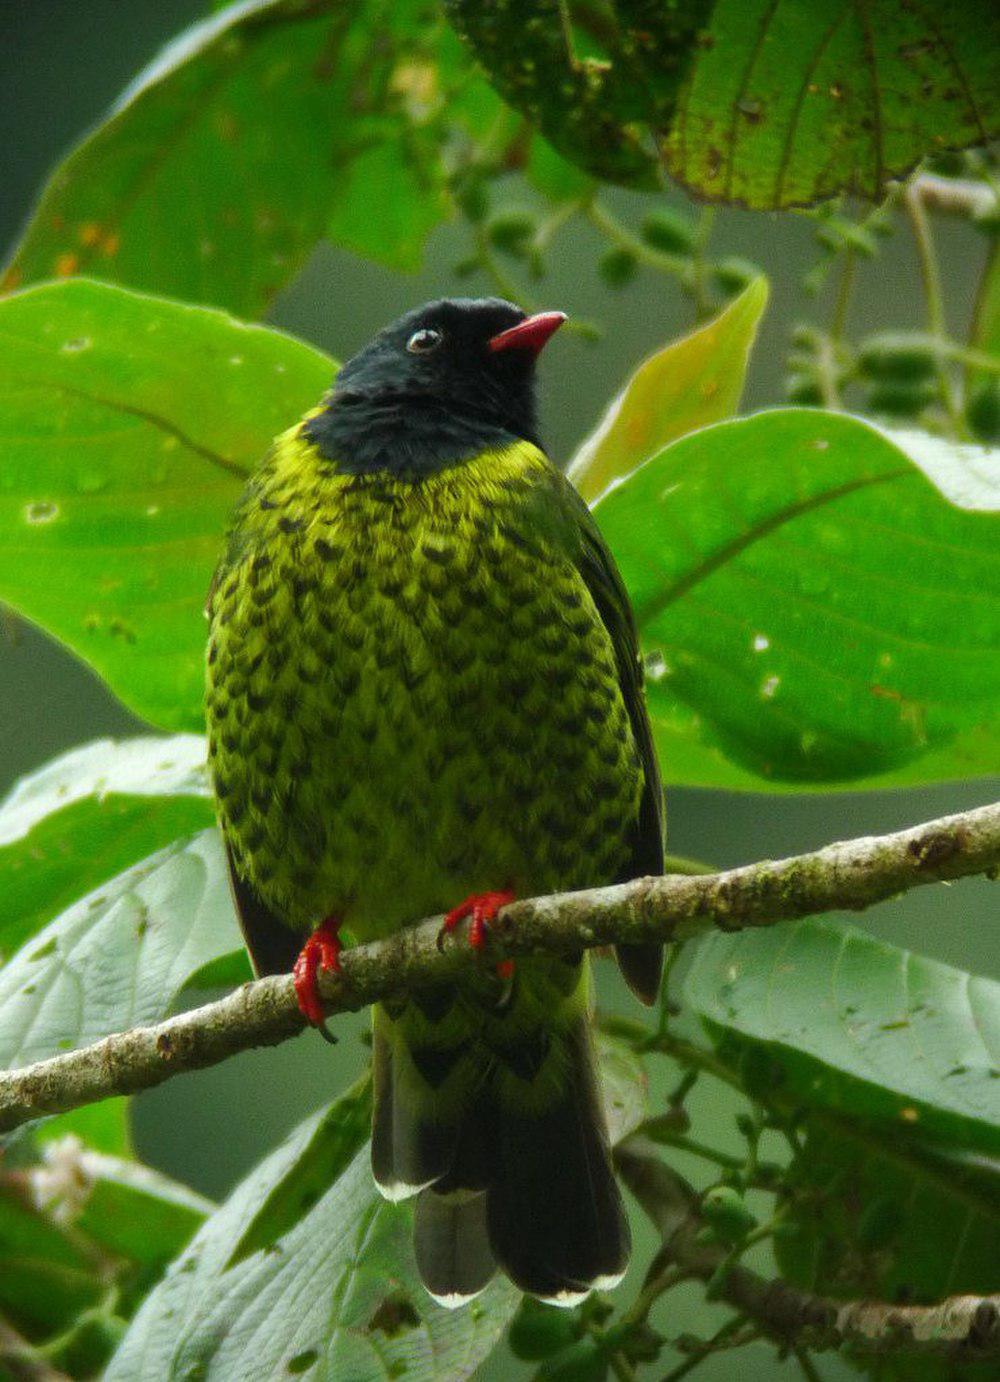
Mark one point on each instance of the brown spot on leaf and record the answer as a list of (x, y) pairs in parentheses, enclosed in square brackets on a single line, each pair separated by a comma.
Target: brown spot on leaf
[(66, 265), (89, 233), (393, 1316)]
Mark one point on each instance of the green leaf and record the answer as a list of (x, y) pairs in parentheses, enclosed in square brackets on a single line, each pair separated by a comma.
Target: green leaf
[(766, 103), (687, 385), (819, 601), (554, 176), (335, 1296), (875, 1225), (133, 1212), (102, 1127), (119, 957), (585, 99), (252, 136), (786, 106), (624, 1086), (850, 1024), (332, 1144), (85, 1232), (46, 1278), (89, 814), (127, 425)]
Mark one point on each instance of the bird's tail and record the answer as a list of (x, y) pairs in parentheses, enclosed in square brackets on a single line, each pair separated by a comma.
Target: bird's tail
[(487, 1109)]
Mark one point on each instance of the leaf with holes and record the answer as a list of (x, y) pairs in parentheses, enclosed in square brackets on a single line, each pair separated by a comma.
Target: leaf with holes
[(836, 1020), (89, 814), (766, 103), (689, 384), (250, 138), (819, 602), (128, 425), (335, 1295), (119, 957)]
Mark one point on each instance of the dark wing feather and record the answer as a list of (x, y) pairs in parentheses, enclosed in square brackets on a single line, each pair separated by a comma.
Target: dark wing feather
[(641, 965), (273, 948)]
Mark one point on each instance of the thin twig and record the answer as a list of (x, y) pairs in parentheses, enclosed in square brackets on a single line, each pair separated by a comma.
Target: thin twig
[(960, 1327), (852, 875), (612, 229), (809, 1369), (934, 298)]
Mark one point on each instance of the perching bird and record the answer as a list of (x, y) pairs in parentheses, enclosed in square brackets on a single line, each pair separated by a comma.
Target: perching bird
[(425, 693)]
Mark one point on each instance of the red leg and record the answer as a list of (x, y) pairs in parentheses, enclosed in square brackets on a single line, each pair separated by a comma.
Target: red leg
[(482, 908), (321, 951)]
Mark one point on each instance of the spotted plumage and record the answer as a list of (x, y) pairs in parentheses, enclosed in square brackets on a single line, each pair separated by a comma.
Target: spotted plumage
[(423, 683)]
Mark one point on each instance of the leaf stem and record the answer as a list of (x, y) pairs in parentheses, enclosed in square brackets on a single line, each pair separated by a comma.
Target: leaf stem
[(809, 1369), (673, 264), (702, 302), (845, 287), (934, 299), (719, 1340)]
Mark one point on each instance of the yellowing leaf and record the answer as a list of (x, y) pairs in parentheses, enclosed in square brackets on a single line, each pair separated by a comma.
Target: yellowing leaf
[(692, 382)]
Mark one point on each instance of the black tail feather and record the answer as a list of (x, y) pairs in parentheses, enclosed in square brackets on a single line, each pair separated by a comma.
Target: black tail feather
[(556, 1220), (409, 1148), (452, 1246), (509, 1159), (642, 969)]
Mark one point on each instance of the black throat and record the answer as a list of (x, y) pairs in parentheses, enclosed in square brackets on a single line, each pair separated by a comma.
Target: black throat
[(406, 432)]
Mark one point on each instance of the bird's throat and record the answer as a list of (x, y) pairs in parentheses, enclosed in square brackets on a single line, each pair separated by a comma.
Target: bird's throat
[(407, 434)]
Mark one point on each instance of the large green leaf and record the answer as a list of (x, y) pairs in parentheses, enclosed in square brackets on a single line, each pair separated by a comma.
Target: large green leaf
[(853, 1025), (120, 956), (252, 136), (820, 602), (763, 102), (892, 1062), (89, 814), (127, 425), (85, 1232), (328, 1293), (689, 384)]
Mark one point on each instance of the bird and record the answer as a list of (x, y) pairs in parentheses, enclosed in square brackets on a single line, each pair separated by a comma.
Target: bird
[(425, 697)]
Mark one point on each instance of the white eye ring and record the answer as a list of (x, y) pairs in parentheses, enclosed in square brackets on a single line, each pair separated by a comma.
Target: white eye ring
[(425, 340)]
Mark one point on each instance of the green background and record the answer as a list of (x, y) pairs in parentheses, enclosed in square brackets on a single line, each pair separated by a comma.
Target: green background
[(61, 64)]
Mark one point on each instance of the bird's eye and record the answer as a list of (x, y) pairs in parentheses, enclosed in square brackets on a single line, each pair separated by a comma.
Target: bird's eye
[(422, 342)]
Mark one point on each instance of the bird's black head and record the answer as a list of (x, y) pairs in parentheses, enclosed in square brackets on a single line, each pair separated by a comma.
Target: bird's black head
[(440, 385)]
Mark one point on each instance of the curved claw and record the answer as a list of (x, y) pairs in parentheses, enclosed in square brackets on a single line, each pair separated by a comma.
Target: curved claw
[(321, 951), (482, 908)]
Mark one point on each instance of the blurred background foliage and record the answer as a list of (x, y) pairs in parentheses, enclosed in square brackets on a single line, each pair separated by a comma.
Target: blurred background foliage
[(624, 264)]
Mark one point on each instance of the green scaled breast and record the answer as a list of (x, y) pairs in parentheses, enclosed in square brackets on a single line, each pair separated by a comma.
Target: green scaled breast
[(411, 692)]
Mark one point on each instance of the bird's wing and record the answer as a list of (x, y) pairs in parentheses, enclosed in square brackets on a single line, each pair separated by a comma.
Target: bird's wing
[(640, 964), (273, 948)]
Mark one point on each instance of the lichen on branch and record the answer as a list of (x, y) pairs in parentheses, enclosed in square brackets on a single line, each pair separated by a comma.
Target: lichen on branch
[(851, 875)]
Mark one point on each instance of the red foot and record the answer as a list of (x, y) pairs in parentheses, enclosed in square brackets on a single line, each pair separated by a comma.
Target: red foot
[(321, 951), (482, 908)]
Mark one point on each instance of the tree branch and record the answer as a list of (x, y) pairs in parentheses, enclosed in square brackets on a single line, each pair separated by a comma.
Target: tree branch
[(852, 875), (960, 1327)]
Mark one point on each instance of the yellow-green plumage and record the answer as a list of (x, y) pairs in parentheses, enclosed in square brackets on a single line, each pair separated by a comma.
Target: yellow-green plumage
[(423, 683), (411, 695)]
